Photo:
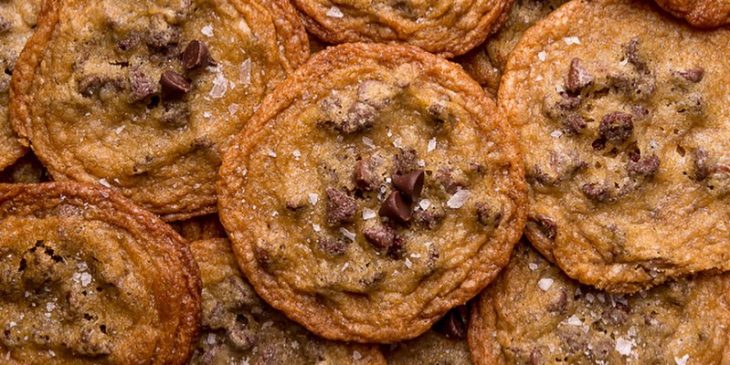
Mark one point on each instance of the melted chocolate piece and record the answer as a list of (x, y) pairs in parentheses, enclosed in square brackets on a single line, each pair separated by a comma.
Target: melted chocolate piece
[(395, 208), (174, 86), (410, 184), (196, 55)]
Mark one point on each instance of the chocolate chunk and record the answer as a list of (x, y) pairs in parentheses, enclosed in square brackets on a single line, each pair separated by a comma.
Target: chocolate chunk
[(454, 324), (573, 124), (196, 55), (631, 52), (693, 75), (360, 117), (141, 85), (174, 85), (263, 258), (560, 108), (395, 208), (578, 77), (488, 216), (646, 166), (701, 165), (430, 218), (332, 246), (385, 240), (410, 184), (542, 226), (596, 192), (616, 126), (559, 305), (5, 25), (617, 314), (451, 180), (405, 161), (341, 208), (363, 175), (599, 144)]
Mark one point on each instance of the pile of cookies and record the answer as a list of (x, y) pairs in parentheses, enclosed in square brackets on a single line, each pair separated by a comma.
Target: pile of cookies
[(344, 182)]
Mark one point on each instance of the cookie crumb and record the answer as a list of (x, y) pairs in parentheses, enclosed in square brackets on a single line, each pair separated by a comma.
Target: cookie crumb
[(356, 355)]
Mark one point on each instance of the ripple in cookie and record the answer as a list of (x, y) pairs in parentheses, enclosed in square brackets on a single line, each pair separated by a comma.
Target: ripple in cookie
[(534, 314), (140, 95), (623, 126), (699, 13), (86, 277), (200, 228), (448, 28), (240, 328), (18, 19), (376, 189)]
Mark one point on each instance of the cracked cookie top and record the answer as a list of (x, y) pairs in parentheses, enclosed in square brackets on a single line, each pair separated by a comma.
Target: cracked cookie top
[(140, 95), (375, 190), (88, 278), (534, 314), (623, 126), (240, 328), (449, 28), (18, 19)]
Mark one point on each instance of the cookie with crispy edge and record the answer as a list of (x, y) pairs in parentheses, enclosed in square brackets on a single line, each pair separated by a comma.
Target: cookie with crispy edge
[(87, 277), (699, 13), (448, 28), (534, 314), (327, 237), (623, 124), (144, 93), (239, 327)]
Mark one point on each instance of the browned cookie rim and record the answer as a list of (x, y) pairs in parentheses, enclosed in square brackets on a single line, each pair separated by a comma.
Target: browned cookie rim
[(696, 14)]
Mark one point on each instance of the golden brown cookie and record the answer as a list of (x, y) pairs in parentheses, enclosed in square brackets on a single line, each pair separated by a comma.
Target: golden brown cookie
[(486, 63), (18, 19), (87, 278), (699, 13), (449, 28), (373, 191), (445, 344), (145, 92), (200, 228), (27, 170), (240, 328), (534, 314), (623, 124)]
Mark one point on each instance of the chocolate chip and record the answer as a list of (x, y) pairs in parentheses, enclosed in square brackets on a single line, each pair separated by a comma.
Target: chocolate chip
[(488, 216), (410, 184), (332, 246), (174, 85), (543, 226), (694, 75), (430, 218), (384, 239), (141, 85), (454, 324), (701, 165), (631, 52), (599, 144), (262, 257), (573, 124), (395, 208), (451, 180), (616, 126), (405, 161), (341, 208), (578, 77), (363, 175), (646, 166), (360, 117), (196, 55), (596, 192)]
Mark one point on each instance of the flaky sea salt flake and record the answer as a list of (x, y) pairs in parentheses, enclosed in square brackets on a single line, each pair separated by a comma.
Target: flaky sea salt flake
[(335, 12), (458, 199), (545, 283)]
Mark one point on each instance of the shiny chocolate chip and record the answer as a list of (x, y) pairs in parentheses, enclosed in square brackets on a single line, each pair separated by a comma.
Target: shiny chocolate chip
[(196, 55), (174, 85), (395, 208), (410, 184)]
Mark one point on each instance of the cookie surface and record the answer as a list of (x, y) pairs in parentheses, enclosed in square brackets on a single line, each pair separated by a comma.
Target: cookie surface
[(86, 278), (534, 314), (239, 327), (18, 18), (145, 107), (699, 13), (200, 228), (26, 170), (623, 125), (448, 28), (397, 193)]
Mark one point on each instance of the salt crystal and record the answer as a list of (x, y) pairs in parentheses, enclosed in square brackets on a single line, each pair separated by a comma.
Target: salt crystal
[(11, 324), (408, 263), (316, 227), (233, 109), (207, 115), (624, 346), (85, 279), (424, 204), (368, 214), (211, 339), (207, 30), (356, 355), (431, 144), (119, 129), (220, 86), (574, 321), (681, 360), (421, 163), (542, 56), (571, 40), (545, 283), (246, 72), (50, 306), (297, 154), (532, 266), (397, 143), (271, 153), (458, 199), (313, 198), (368, 142), (556, 133), (335, 12), (349, 235), (104, 183)]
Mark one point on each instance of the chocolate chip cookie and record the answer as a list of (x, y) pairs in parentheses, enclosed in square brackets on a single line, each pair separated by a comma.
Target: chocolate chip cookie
[(86, 278), (376, 189), (623, 125), (486, 63), (534, 314), (143, 93), (18, 18), (699, 13), (200, 228), (240, 328), (445, 344), (448, 28)]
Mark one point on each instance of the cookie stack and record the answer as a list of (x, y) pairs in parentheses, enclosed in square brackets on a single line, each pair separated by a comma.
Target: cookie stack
[(335, 182)]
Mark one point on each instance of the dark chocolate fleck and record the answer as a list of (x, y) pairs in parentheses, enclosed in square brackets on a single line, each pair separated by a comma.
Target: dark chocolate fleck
[(694, 75), (430, 218), (701, 165), (332, 246), (141, 85), (405, 161), (596, 192), (385, 240), (174, 85), (341, 208), (488, 216), (631, 51), (5, 25)]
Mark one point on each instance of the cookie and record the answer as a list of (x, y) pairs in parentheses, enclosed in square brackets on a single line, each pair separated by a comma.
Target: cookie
[(699, 13), (86, 278), (623, 125), (239, 327), (146, 92), (449, 28), (374, 190), (445, 344), (486, 63), (18, 18), (200, 228), (27, 170), (534, 314)]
